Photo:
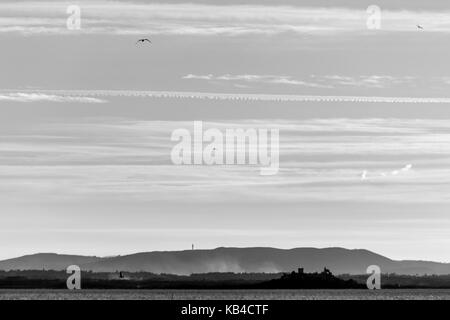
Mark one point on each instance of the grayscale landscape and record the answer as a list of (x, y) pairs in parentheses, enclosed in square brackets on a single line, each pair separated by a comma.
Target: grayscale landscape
[(114, 158)]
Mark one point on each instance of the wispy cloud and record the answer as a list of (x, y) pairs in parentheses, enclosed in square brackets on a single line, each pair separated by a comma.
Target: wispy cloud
[(254, 78), (36, 97), (199, 77), (324, 81), (371, 81), (319, 160), (106, 17)]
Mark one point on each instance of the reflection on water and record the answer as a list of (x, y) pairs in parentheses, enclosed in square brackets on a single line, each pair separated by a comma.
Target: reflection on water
[(406, 294)]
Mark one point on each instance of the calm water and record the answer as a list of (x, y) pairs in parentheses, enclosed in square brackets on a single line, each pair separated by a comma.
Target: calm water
[(226, 294)]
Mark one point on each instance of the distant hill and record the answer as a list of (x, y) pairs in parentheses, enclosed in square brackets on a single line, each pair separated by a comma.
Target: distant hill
[(338, 260), (47, 261)]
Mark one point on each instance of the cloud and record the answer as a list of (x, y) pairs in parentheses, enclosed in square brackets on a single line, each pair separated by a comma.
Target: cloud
[(319, 160), (384, 174), (199, 77), (36, 97), (371, 81), (106, 17), (324, 81), (253, 78)]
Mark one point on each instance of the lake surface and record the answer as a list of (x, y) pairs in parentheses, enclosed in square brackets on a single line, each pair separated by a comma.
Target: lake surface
[(403, 294)]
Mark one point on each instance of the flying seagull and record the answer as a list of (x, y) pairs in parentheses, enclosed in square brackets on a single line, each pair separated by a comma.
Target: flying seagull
[(143, 40), (419, 27)]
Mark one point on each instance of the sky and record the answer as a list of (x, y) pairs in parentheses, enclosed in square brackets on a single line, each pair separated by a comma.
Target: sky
[(86, 118)]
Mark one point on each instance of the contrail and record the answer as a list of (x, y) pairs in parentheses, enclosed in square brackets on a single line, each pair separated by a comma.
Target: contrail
[(232, 96), (40, 96)]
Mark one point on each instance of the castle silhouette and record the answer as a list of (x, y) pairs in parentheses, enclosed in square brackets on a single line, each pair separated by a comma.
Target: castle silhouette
[(302, 280)]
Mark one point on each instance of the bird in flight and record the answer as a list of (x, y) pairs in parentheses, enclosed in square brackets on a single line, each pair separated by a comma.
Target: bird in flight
[(419, 27), (143, 40)]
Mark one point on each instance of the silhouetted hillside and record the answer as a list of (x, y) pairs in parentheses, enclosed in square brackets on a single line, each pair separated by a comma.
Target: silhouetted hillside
[(46, 261), (269, 260)]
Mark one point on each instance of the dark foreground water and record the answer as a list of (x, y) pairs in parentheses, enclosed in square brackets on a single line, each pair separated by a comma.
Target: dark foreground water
[(407, 294)]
